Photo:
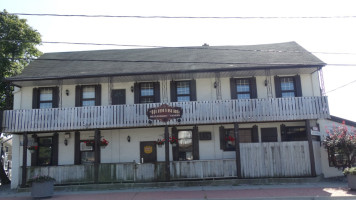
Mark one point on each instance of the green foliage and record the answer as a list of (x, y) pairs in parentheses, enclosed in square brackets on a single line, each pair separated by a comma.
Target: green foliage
[(17, 48), (40, 179), (351, 171), (341, 146)]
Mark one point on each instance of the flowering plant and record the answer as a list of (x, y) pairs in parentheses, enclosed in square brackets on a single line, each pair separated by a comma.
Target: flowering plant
[(173, 140), (341, 146), (32, 147), (160, 141), (89, 142), (40, 179), (230, 138), (104, 142), (351, 171)]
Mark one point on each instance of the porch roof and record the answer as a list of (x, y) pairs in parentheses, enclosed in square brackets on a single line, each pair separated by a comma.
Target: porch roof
[(168, 60)]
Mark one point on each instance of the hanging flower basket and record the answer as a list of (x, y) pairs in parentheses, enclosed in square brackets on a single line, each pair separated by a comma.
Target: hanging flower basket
[(173, 140), (160, 142), (32, 149), (89, 143), (103, 143)]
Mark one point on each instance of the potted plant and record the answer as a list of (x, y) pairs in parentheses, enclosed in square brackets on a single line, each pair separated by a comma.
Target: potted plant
[(173, 140), (160, 142), (341, 146), (41, 186), (351, 177), (230, 139), (103, 143), (32, 149)]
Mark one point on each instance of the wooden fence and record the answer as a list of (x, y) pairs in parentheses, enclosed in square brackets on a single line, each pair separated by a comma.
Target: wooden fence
[(195, 112), (285, 159)]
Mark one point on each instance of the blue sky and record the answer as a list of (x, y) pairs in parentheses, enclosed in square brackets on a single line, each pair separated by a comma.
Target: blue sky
[(334, 35)]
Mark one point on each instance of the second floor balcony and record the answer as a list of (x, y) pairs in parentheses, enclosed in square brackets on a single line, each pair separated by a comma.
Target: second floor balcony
[(194, 112)]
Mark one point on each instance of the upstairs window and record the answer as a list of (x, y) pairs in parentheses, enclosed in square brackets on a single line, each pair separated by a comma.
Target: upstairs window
[(243, 88), (87, 95), (45, 97), (147, 92), (183, 91), (287, 87)]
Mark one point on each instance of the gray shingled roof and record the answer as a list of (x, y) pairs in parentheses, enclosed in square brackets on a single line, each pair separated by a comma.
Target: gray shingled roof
[(167, 60)]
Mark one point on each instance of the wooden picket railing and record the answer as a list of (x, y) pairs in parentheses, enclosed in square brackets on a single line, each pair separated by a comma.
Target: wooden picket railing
[(194, 112)]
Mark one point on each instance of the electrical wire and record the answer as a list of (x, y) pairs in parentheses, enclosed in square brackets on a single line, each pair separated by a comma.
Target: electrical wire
[(341, 86), (181, 17)]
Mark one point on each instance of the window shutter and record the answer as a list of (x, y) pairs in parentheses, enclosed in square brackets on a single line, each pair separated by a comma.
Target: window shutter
[(222, 137), (175, 150), (253, 88), (55, 149), (195, 138), (98, 95), (298, 86), (277, 86), (34, 154), (136, 93), (77, 148), (173, 91), (193, 90), (255, 134), (35, 98), (78, 96), (157, 92), (55, 97), (233, 88)]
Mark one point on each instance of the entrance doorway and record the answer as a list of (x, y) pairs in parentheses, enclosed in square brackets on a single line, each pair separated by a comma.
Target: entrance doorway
[(148, 152)]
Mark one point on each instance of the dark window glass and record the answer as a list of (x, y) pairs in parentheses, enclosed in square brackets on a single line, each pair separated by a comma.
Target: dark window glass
[(294, 134), (146, 93), (287, 87), (88, 96), (46, 98), (185, 145), (87, 152), (243, 89), (183, 91), (269, 135), (245, 136), (44, 151)]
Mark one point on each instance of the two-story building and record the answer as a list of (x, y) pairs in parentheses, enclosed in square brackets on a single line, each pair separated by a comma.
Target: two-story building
[(247, 112)]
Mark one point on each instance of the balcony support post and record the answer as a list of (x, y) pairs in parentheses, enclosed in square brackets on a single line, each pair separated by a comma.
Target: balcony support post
[(24, 160), (166, 147), (96, 155), (311, 149), (237, 150)]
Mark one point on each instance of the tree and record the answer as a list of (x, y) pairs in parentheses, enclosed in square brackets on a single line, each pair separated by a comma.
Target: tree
[(341, 146), (17, 48)]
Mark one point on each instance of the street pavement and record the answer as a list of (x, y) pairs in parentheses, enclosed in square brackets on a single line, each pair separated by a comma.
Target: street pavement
[(322, 190)]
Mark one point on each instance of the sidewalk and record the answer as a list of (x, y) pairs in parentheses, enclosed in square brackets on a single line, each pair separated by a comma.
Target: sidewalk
[(292, 191)]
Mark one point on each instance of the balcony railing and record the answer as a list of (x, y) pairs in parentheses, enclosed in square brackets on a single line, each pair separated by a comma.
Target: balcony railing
[(196, 112)]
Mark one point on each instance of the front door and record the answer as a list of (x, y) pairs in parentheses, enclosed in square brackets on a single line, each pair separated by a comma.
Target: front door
[(148, 152)]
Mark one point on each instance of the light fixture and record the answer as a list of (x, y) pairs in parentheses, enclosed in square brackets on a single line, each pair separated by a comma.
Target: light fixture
[(128, 138), (150, 121), (67, 92), (266, 82), (66, 137), (179, 120), (215, 84), (132, 88), (65, 142)]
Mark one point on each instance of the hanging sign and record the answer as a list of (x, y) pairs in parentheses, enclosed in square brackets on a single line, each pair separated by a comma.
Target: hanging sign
[(164, 113)]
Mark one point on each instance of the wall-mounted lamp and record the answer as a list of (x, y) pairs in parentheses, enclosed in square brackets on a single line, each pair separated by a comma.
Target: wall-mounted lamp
[(179, 120), (266, 82), (150, 121), (215, 84), (128, 138), (67, 92), (66, 137), (132, 88)]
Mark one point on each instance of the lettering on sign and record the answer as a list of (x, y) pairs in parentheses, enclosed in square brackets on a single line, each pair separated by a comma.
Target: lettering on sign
[(164, 113), (148, 149)]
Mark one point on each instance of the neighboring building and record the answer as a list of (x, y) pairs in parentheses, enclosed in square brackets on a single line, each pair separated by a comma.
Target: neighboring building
[(329, 170), (248, 112), (6, 154)]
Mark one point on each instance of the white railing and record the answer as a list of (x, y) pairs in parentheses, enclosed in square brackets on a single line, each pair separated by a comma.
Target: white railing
[(195, 112)]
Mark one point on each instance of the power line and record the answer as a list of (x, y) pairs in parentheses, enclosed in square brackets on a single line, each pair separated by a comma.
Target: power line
[(183, 17), (341, 86), (156, 46)]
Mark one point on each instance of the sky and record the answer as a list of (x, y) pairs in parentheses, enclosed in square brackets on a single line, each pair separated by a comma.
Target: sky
[(331, 39)]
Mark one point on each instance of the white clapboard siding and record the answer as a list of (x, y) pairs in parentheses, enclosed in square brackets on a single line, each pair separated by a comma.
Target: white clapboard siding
[(275, 159), (194, 112)]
